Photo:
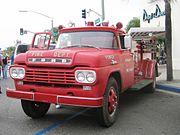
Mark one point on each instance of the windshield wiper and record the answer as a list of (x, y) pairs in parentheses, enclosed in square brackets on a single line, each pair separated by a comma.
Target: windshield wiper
[(91, 46), (71, 46), (81, 45)]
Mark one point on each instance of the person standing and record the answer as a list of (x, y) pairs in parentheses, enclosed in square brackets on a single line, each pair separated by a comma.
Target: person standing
[(1, 64), (5, 67)]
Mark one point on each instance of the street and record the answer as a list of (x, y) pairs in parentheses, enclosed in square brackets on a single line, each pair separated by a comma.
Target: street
[(140, 114)]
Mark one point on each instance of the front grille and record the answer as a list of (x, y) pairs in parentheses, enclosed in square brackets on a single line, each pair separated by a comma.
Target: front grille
[(50, 76)]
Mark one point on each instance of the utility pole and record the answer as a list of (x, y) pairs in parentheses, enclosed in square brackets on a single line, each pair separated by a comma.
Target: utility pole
[(39, 14), (103, 12)]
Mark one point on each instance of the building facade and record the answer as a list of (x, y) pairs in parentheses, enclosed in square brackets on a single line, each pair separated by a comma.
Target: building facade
[(153, 15)]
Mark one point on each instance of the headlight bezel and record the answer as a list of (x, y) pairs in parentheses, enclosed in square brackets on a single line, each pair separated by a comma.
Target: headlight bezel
[(86, 73), (20, 72)]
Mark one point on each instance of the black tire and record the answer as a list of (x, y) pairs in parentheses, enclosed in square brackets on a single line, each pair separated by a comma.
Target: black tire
[(107, 114), (35, 109)]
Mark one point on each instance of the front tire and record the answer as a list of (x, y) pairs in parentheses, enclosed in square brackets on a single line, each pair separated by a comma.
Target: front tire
[(107, 114), (35, 109)]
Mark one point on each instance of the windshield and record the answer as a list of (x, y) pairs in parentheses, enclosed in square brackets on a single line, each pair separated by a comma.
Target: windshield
[(97, 39)]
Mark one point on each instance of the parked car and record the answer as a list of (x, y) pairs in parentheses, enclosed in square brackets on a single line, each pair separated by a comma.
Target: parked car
[(21, 48)]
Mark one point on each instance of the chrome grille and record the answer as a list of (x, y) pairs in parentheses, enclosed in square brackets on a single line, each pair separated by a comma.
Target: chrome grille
[(52, 76)]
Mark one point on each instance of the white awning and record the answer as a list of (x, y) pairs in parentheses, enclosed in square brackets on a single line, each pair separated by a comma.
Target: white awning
[(146, 33)]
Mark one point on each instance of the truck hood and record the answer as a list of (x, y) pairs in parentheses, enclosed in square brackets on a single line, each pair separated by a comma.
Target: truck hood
[(71, 57)]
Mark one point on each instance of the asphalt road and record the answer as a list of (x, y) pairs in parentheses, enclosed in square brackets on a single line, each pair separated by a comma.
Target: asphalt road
[(140, 114)]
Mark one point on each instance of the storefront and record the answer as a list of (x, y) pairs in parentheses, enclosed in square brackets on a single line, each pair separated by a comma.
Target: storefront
[(152, 25)]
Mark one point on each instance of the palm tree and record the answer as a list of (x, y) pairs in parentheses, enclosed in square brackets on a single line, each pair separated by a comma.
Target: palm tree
[(168, 39)]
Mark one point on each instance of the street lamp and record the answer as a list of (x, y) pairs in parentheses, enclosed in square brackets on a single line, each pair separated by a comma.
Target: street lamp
[(103, 11), (90, 10), (39, 14)]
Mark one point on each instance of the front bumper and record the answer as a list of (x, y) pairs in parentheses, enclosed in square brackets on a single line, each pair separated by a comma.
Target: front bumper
[(56, 99)]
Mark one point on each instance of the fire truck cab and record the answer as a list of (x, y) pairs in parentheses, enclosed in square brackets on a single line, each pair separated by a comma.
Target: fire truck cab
[(90, 67)]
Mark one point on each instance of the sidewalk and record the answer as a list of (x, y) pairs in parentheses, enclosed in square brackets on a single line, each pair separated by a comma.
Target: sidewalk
[(168, 85)]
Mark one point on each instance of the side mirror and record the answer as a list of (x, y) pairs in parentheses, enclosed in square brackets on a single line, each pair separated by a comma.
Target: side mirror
[(128, 41)]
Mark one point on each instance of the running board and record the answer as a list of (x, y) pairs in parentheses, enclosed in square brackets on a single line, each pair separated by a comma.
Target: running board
[(141, 84)]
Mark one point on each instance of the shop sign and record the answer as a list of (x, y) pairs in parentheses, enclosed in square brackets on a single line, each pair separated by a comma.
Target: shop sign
[(148, 17)]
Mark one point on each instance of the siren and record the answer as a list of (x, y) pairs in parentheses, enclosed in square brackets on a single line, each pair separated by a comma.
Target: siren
[(105, 23), (119, 25), (90, 23)]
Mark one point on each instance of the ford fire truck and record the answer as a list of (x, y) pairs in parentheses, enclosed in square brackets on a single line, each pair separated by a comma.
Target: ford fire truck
[(90, 67)]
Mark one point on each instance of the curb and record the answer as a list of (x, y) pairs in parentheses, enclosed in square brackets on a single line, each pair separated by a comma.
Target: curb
[(168, 88)]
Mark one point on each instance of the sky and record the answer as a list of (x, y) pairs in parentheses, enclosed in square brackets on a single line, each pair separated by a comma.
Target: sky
[(62, 11)]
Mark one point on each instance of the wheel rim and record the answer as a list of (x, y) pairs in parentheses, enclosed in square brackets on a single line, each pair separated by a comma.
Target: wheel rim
[(36, 106), (112, 101)]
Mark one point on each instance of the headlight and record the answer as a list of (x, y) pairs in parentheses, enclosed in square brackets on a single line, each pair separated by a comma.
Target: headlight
[(90, 77), (85, 76), (17, 72), (81, 77)]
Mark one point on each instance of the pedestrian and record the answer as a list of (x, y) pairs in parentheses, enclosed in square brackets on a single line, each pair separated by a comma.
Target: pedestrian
[(1, 64), (5, 67)]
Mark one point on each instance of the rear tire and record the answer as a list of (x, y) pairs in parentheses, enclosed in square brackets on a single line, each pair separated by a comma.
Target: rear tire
[(35, 109), (107, 114)]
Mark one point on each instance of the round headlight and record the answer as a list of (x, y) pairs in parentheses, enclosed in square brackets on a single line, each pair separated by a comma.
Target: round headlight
[(80, 77), (14, 73), (90, 77), (85, 76), (21, 73), (17, 72)]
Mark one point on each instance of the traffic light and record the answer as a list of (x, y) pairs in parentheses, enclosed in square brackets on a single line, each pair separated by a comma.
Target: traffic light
[(84, 13), (55, 32), (21, 31)]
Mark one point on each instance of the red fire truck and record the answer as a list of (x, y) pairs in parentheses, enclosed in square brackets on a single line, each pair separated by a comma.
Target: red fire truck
[(90, 67)]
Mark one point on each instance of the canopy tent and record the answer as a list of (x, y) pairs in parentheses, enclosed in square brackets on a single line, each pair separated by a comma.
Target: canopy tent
[(146, 33)]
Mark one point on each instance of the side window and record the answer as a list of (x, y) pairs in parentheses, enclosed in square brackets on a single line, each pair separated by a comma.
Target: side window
[(22, 49), (122, 41)]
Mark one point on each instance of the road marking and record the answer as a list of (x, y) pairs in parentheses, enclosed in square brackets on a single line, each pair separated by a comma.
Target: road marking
[(59, 123), (168, 92)]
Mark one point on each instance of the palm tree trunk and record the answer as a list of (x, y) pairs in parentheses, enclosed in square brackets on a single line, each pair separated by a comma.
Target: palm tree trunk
[(168, 40)]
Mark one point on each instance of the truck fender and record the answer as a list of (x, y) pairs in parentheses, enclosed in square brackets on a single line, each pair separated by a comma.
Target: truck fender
[(117, 76)]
